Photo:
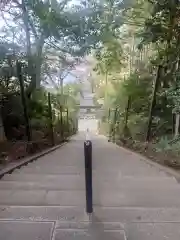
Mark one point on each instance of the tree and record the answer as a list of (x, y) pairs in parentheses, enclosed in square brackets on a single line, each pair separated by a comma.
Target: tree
[(109, 59), (51, 37), (135, 73)]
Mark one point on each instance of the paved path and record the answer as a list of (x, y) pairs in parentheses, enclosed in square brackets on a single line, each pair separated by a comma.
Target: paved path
[(132, 200)]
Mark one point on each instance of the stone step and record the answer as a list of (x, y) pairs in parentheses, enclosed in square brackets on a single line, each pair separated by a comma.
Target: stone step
[(76, 215), (43, 185), (78, 164), (151, 231), (92, 233), (25, 230), (77, 170), (70, 167), (98, 166), (79, 184), (45, 231), (107, 178), (88, 223), (51, 170), (55, 178), (41, 198), (102, 198)]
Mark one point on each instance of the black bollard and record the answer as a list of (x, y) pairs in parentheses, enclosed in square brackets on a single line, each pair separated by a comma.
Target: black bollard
[(88, 175)]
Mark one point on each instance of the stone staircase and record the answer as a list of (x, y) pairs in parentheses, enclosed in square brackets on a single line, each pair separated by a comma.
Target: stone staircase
[(132, 199), (46, 200)]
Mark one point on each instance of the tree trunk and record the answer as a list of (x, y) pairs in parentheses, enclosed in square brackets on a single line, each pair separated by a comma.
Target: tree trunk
[(23, 99), (28, 45), (177, 125), (153, 103), (177, 118), (39, 50), (2, 134), (114, 125), (36, 76), (127, 113), (106, 87), (28, 37), (27, 29)]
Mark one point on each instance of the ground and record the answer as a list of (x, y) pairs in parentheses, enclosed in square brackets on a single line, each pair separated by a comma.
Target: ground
[(132, 199)]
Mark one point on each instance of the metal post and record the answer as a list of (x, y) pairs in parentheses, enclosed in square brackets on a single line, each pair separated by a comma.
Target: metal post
[(67, 120), (109, 118), (23, 98), (127, 112), (88, 175), (109, 114), (114, 125), (61, 120), (50, 118), (153, 103), (76, 125)]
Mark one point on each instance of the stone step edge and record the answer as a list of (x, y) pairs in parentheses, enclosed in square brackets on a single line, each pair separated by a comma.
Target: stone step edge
[(121, 177), (38, 185)]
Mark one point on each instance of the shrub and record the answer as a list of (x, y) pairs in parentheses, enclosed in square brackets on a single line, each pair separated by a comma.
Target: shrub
[(137, 125)]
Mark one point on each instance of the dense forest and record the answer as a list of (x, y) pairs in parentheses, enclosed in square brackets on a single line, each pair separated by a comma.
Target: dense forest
[(136, 74), (133, 47), (41, 42)]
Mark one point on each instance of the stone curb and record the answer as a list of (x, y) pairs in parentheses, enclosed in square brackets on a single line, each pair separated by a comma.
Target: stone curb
[(26, 160)]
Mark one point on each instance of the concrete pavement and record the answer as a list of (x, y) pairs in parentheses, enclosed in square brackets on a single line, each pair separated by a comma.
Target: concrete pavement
[(132, 199)]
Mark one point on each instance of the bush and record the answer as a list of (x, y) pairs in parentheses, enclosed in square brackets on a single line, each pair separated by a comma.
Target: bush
[(137, 125), (164, 145)]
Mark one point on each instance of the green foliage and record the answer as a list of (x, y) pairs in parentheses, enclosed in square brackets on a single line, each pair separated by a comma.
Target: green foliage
[(109, 58), (67, 30), (131, 40), (163, 144), (149, 39), (173, 95), (137, 125)]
